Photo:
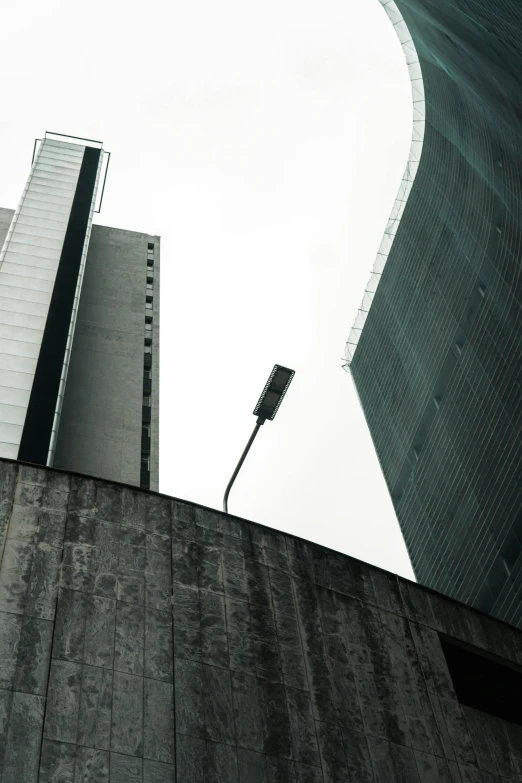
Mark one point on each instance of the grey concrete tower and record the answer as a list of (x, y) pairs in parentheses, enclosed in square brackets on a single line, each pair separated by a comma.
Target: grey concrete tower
[(79, 325), (110, 417)]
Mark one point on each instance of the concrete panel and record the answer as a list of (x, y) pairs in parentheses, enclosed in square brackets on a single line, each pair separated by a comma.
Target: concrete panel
[(102, 407), (362, 692)]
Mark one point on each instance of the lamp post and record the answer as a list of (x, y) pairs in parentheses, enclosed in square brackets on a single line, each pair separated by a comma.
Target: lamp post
[(266, 408)]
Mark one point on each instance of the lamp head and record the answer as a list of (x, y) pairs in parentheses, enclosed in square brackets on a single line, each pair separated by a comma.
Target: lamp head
[(273, 393)]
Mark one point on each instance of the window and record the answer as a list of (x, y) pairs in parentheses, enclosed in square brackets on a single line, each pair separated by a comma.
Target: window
[(150, 261), (484, 681), (147, 375), (150, 246)]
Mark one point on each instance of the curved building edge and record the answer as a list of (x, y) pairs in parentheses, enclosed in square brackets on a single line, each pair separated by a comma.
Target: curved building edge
[(437, 365), (410, 172)]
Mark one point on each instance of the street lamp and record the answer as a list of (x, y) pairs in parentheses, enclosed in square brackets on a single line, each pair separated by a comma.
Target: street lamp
[(266, 408)]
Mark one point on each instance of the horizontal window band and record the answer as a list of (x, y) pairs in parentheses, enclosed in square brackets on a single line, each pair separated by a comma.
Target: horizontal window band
[(32, 274), (12, 414), (9, 450), (37, 213), (17, 364), (29, 283), (19, 237), (23, 294), (23, 226)]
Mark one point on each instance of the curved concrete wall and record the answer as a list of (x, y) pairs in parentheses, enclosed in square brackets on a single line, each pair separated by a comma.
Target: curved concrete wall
[(148, 640), (437, 367)]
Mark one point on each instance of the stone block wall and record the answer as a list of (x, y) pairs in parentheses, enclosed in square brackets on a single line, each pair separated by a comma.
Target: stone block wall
[(145, 639)]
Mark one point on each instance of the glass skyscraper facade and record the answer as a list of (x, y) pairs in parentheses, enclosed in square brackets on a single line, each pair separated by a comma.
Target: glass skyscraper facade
[(438, 364)]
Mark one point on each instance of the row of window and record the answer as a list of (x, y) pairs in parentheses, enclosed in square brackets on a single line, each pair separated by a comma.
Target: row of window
[(147, 372)]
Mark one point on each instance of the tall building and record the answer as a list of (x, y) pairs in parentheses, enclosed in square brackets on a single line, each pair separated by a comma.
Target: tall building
[(438, 361), (144, 639), (79, 325)]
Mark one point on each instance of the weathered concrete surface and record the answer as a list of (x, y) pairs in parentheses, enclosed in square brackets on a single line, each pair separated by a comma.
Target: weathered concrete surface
[(147, 639)]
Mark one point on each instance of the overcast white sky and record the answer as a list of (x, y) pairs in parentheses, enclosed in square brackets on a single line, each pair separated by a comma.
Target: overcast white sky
[(265, 143)]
